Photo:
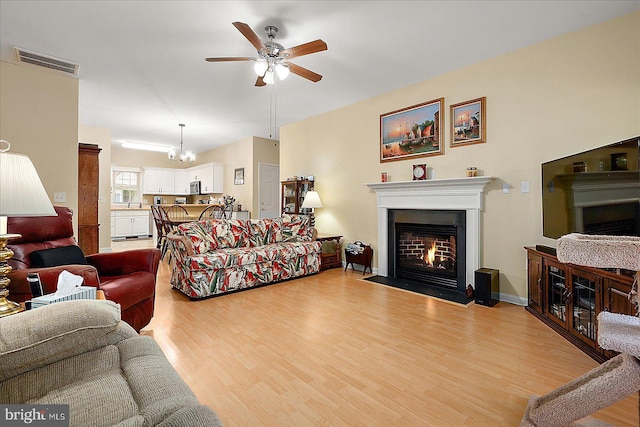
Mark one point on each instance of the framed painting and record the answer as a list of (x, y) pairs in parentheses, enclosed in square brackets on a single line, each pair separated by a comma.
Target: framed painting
[(238, 176), (468, 122), (415, 131)]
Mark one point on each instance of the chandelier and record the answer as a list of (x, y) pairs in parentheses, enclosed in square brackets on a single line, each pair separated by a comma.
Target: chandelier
[(185, 156)]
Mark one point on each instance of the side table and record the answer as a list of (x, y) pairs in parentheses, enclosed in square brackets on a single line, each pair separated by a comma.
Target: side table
[(364, 258), (330, 256)]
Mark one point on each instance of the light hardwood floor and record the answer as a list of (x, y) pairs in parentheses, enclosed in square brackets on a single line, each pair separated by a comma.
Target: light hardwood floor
[(334, 350)]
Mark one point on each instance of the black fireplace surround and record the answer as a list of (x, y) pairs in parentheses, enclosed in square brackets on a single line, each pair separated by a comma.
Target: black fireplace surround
[(428, 247)]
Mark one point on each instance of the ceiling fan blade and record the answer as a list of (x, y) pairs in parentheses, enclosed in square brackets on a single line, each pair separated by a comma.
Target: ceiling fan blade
[(230, 58), (304, 49), (250, 35), (260, 81), (303, 72)]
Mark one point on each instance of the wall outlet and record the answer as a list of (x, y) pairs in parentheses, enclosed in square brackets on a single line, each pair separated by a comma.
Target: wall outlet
[(506, 188), (60, 197)]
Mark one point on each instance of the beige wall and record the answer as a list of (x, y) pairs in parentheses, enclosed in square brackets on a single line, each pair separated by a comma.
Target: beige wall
[(39, 117), (559, 97), (101, 137)]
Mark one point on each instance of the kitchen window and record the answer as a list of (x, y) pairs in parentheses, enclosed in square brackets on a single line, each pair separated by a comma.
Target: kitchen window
[(126, 184)]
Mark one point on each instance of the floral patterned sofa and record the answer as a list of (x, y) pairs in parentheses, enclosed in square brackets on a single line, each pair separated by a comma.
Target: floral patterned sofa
[(217, 256)]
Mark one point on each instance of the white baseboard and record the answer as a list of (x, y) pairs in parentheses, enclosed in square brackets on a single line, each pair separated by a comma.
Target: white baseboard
[(512, 299)]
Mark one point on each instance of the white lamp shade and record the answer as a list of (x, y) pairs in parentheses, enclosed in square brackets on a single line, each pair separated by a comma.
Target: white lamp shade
[(21, 190), (268, 77), (260, 67), (282, 71), (312, 200)]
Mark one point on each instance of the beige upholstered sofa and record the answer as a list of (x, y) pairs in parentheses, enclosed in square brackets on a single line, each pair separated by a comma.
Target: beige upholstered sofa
[(79, 353)]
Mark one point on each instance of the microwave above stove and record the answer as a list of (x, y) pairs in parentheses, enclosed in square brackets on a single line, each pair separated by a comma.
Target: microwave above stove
[(194, 187)]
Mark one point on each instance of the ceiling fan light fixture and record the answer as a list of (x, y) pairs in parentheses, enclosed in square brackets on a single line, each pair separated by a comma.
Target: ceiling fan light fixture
[(283, 71), (268, 77), (260, 67)]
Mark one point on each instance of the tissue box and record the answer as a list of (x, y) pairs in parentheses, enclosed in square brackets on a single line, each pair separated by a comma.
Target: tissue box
[(81, 292)]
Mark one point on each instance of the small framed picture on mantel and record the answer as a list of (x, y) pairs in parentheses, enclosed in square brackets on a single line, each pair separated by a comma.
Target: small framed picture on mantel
[(238, 176)]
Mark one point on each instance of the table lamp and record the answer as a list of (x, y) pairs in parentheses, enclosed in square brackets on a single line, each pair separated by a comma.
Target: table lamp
[(21, 194), (312, 201)]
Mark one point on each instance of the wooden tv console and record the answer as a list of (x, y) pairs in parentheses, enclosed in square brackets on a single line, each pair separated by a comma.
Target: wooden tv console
[(568, 298)]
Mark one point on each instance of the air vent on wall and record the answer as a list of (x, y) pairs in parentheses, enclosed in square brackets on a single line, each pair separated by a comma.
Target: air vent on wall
[(41, 60)]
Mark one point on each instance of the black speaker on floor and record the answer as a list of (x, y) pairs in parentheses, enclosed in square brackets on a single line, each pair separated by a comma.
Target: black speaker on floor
[(487, 282)]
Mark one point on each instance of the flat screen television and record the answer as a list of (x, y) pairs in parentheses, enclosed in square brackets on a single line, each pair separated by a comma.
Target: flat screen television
[(593, 192)]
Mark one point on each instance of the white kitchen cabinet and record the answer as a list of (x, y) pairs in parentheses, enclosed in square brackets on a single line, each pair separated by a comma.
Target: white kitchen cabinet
[(176, 181), (181, 182), (130, 223), (158, 181), (211, 177)]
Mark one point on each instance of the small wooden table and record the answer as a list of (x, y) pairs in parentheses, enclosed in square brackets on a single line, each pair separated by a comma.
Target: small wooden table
[(330, 258)]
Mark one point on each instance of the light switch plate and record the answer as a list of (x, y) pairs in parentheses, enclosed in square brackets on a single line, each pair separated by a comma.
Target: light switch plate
[(506, 188), (524, 186), (60, 197)]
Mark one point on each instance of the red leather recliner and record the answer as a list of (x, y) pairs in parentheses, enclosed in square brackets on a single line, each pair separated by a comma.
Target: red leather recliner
[(127, 278)]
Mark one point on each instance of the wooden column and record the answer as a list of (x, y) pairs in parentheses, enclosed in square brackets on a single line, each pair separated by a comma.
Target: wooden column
[(88, 182)]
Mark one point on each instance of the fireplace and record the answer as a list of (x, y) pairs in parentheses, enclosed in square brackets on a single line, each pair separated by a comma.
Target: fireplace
[(428, 246), (462, 197)]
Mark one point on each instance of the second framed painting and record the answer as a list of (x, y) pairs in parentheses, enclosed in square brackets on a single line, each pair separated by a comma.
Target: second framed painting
[(415, 131), (468, 122)]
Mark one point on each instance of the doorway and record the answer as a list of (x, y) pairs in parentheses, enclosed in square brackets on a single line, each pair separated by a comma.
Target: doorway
[(269, 183)]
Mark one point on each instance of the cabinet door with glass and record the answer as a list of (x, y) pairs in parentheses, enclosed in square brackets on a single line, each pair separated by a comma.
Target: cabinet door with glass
[(293, 193), (585, 304), (557, 292)]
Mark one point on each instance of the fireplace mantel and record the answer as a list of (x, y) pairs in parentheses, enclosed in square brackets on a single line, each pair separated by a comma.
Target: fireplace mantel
[(437, 194)]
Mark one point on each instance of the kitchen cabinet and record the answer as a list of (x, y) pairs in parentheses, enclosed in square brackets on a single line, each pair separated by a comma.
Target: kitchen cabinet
[(130, 223), (158, 181), (181, 182), (211, 177), (176, 181)]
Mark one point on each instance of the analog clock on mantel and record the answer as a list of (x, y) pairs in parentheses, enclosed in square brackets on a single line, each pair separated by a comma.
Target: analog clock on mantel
[(419, 172)]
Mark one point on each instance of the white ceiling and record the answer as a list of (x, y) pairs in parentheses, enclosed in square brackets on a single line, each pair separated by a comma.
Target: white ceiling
[(142, 68)]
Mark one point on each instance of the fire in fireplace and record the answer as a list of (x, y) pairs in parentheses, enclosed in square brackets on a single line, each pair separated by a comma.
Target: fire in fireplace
[(428, 247), (425, 251)]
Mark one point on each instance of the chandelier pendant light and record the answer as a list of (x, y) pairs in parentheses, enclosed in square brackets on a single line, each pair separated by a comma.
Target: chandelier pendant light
[(184, 156)]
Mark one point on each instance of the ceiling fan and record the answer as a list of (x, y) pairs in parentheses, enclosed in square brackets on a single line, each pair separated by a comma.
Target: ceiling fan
[(273, 57)]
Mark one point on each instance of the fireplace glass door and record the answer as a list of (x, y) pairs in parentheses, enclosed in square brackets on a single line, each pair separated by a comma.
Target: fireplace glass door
[(427, 253)]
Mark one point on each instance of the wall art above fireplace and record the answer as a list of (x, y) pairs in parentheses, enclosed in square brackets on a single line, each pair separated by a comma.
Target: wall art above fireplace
[(415, 131)]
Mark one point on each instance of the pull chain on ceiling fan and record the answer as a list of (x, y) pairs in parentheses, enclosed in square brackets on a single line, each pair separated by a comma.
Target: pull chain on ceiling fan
[(273, 58)]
